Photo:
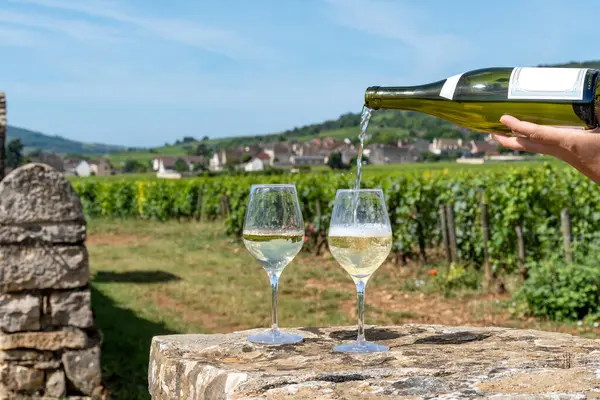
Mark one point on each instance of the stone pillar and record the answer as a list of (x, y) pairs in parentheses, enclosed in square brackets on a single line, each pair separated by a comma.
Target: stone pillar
[(424, 362), (49, 345), (2, 134)]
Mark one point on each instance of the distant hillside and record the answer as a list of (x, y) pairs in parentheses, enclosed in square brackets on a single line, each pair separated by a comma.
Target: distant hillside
[(575, 64), (55, 144), (385, 127)]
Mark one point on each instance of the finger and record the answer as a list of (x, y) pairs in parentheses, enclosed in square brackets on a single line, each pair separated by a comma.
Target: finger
[(595, 130), (539, 133), (524, 144)]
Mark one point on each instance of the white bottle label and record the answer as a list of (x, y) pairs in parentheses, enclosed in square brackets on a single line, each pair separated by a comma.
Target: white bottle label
[(450, 86), (547, 83)]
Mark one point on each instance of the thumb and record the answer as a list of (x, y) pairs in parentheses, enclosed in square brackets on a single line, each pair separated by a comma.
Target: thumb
[(539, 133)]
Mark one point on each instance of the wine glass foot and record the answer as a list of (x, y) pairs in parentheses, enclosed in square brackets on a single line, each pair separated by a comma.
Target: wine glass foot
[(275, 338), (360, 347)]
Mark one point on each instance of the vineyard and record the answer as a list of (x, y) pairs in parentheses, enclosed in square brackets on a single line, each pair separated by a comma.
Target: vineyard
[(524, 202)]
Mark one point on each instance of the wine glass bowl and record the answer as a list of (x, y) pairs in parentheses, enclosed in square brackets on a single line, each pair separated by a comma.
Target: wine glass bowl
[(273, 234), (360, 239)]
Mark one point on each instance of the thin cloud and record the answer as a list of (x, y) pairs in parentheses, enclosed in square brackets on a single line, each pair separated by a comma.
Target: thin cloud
[(77, 29), (400, 22), (221, 41)]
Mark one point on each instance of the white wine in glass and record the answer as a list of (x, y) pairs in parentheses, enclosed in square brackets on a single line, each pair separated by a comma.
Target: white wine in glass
[(274, 235), (360, 239)]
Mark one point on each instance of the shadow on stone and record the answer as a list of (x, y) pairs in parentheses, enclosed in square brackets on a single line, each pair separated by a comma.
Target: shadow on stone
[(125, 348), (372, 334), (339, 378), (453, 338), (421, 385), (134, 277), (316, 331)]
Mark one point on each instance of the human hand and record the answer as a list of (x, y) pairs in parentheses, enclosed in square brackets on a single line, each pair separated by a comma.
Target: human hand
[(577, 147)]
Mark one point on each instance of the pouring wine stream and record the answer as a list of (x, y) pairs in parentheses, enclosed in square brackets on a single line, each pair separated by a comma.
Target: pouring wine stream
[(364, 122)]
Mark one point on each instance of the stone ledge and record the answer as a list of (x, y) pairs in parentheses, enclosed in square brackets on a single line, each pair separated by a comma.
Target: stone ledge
[(424, 361)]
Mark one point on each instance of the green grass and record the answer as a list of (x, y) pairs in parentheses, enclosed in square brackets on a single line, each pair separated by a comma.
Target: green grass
[(151, 278), (450, 166), (454, 166), (146, 156), (132, 177)]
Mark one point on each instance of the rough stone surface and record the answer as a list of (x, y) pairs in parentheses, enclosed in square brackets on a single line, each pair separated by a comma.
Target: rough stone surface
[(25, 356), (69, 338), (71, 308), (15, 378), (19, 312), (424, 362), (55, 384), (66, 233), (37, 193), (42, 267), (83, 369)]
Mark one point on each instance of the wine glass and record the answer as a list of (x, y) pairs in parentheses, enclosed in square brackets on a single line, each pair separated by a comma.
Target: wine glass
[(274, 234), (360, 239)]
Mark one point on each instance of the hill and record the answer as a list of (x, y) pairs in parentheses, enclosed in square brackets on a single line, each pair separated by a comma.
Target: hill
[(385, 127), (56, 144)]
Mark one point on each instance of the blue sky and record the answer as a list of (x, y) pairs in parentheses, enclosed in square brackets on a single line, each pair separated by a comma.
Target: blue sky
[(146, 72)]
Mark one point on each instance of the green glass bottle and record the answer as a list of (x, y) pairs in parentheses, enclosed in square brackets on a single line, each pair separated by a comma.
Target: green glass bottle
[(477, 99)]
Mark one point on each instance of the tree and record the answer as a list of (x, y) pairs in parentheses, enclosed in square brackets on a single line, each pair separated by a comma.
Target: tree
[(14, 153), (181, 166), (335, 161), (450, 134), (246, 158), (473, 135), (203, 150), (364, 160), (130, 166), (200, 167), (35, 153), (205, 138), (188, 139)]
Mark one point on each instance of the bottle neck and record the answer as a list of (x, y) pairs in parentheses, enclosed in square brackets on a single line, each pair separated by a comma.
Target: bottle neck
[(401, 97)]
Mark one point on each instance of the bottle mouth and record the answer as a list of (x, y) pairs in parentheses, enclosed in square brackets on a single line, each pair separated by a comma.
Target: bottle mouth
[(372, 101)]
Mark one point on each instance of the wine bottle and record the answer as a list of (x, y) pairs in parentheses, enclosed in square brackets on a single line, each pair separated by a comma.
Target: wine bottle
[(567, 97)]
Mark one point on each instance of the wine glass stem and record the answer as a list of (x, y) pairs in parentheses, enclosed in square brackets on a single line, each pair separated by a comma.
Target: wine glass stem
[(360, 292), (274, 279)]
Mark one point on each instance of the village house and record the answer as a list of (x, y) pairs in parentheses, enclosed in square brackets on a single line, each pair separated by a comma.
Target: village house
[(223, 157), (280, 153), (239, 156), (483, 148), (449, 146), (308, 160), (381, 154), (420, 145), (166, 164), (77, 167), (257, 163), (215, 163), (100, 167), (326, 143)]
